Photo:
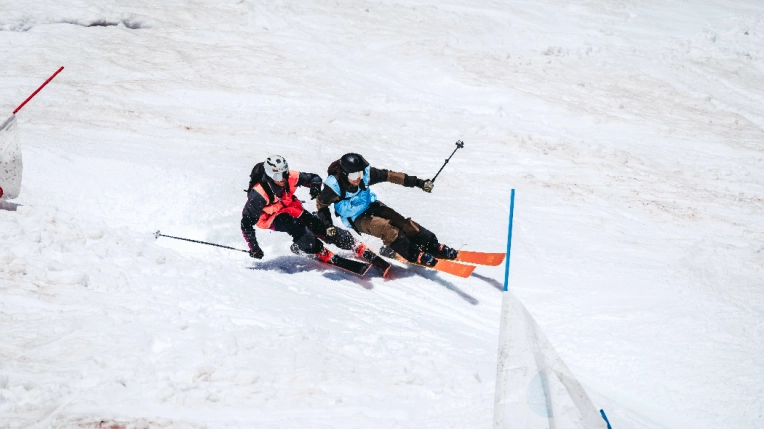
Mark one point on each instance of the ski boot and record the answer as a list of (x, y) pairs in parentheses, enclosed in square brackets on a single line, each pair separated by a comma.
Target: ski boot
[(441, 251), (323, 255), (420, 256), (426, 259)]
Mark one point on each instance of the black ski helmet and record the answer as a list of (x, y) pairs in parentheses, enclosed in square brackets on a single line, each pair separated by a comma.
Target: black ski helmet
[(352, 163)]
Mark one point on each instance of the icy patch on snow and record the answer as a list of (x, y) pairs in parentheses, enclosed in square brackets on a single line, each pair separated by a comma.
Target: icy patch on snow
[(103, 22), (24, 22), (108, 423)]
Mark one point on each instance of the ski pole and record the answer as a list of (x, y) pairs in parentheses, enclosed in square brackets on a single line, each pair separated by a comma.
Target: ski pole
[(459, 145), (159, 234), (38, 90)]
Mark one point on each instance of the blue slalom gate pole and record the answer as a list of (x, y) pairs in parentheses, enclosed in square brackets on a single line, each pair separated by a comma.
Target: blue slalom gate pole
[(509, 239), (606, 420)]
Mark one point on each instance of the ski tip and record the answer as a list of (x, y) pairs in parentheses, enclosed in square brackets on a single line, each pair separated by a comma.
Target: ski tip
[(480, 258), (495, 260), (454, 268)]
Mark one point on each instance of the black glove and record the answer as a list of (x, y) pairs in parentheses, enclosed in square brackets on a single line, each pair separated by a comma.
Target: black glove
[(254, 250), (315, 191), (425, 185), (325, 216), (331, 231)]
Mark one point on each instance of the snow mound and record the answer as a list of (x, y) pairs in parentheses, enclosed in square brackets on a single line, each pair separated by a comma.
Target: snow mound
[(108, 329)]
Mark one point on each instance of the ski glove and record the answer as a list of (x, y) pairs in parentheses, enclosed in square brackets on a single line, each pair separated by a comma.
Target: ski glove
[(315, 191), (254, 249), (426, 185), (256, 253)]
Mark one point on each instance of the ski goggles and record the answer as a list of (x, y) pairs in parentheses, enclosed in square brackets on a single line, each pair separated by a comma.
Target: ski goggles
[(276, 175), (355, 176)]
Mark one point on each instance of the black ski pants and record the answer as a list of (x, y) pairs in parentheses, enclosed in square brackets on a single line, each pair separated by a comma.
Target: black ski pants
[(308, 231)]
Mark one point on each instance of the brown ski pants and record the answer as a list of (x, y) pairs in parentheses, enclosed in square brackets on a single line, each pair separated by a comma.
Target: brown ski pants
[(399, 233)]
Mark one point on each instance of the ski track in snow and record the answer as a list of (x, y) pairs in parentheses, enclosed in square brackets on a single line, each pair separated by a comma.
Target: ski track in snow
[(632, 131)]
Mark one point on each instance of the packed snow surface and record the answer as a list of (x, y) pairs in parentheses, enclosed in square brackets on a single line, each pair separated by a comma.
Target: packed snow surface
[(632, 130)]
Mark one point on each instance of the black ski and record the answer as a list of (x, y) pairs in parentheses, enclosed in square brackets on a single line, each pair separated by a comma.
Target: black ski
[(349, 265), (378, 263)]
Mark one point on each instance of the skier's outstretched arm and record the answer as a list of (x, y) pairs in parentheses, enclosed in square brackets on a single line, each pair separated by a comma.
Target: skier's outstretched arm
[(312, 181), (403, 179), (249, 217)]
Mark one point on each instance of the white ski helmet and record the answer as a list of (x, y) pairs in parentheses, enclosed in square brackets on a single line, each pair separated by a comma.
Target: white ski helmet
[(276, 167)]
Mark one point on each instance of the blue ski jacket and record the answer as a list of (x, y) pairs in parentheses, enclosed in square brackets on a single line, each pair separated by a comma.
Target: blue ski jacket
[(352, 204)]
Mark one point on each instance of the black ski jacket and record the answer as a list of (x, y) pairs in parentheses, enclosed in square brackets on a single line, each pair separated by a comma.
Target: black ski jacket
[(255, 202)]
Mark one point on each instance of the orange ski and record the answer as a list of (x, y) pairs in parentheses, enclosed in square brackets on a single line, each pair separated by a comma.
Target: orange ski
[(455, 268), (443, 265), (480, 258)]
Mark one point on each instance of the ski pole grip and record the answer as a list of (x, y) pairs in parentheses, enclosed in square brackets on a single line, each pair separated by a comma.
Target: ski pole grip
[(459, 145)]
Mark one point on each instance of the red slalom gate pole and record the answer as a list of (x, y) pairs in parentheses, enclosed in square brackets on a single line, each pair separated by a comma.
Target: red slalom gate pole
[(38, 90)]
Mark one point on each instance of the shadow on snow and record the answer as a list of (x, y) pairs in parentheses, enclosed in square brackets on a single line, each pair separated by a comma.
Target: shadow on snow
[(7, 205), (298, 264), (434, 276), (493, 282)]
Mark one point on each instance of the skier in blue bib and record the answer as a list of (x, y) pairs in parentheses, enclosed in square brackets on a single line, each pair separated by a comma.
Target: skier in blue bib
[(347, 187)]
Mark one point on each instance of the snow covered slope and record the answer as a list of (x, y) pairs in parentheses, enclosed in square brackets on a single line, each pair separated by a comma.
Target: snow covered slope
[(632, 130)]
